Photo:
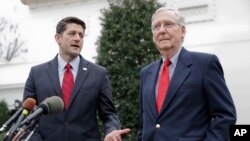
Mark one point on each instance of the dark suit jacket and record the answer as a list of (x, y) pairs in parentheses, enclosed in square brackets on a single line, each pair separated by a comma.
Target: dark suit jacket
[(92, 93), (198, 105)]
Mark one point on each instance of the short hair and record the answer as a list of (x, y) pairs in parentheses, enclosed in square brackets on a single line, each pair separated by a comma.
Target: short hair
[(61, 25), (180, 19)]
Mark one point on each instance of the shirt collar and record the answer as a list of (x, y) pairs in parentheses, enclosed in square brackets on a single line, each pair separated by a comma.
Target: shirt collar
[(74, 63), (173, 59)]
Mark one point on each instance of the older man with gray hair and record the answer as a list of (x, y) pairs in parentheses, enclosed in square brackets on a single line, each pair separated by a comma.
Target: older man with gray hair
[(183, 95)]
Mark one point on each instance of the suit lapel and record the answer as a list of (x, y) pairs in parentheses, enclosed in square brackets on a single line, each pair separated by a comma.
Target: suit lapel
[(180, 74), (83, 71), (152, 77), (53, 75)]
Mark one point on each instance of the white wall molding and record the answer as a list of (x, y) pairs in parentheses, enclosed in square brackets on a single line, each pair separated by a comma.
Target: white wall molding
[(195, 10), (11, 86), (46, 3)]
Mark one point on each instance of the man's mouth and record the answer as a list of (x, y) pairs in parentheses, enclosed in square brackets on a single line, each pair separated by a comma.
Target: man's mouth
[(77, 46), (162, 40)]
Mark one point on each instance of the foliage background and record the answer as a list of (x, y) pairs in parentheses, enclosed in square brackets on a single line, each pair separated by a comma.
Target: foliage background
[(4, 115), (124, 48)]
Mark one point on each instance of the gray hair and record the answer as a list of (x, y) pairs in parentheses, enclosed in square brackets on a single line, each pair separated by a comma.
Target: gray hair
[(180, 19)]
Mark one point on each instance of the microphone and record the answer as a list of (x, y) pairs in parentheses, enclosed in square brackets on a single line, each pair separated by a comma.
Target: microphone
[(29, 103), (26, 108), (25, 131), (50, 105), (10, 120)]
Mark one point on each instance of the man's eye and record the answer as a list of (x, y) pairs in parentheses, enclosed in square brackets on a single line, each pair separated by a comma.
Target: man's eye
[(157, 26)]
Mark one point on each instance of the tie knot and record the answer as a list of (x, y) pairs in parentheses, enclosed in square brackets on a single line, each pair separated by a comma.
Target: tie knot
[(68, 66), (167, 62)]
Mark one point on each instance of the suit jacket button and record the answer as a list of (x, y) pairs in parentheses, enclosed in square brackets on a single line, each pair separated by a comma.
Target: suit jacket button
[(158, 126)]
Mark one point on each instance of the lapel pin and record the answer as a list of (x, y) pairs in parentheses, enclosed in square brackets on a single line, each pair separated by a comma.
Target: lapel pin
[(84, 69)]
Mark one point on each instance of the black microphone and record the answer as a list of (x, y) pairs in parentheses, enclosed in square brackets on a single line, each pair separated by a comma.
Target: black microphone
[(25, 131), (50, 105), (10, 120), (26, 108), (27, 104)]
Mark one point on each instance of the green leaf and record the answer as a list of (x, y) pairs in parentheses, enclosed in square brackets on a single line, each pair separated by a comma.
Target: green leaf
[(124, 47)]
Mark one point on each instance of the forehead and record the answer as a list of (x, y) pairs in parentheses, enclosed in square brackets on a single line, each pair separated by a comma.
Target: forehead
[(74, 27), (165, 15)]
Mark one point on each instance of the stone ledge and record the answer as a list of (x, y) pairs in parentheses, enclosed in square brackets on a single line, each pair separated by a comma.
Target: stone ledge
[(43, 3)]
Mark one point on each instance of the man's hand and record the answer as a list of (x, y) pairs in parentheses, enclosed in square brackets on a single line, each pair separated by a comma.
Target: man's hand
[(116, 135)]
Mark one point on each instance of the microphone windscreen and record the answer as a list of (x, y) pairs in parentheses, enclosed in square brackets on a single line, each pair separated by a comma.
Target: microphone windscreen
[(29, 103), (45, 107), (55, 104)]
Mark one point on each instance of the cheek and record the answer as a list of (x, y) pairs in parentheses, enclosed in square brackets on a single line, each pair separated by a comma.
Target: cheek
[(179, 37), (180, 34), (154, 38)]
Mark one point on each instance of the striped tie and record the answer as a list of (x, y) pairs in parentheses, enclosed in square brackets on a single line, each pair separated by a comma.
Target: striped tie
[(67, 85)]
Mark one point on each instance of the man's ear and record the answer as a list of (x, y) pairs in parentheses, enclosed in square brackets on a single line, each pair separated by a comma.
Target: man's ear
[(183, 29), (57, 38), (183, 32)]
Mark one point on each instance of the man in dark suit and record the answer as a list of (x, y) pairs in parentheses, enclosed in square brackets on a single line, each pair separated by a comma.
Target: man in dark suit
[(191, 102), (87, 88)]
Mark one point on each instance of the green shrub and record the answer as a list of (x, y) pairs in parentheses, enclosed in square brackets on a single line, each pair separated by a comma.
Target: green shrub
[(124, 47), (4, 115)]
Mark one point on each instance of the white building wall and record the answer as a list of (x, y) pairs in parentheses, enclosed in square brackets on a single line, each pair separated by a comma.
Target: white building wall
[(226, 34), (38, 25)]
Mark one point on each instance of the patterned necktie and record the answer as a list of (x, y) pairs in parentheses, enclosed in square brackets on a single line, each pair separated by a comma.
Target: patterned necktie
[(67, 85), (163, 85)]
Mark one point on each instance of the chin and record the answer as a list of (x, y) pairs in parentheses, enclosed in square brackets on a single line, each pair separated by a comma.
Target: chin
[(165, 47), (75, 54)]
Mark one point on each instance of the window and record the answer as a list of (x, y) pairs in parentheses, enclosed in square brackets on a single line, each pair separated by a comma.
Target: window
[(195, 10)]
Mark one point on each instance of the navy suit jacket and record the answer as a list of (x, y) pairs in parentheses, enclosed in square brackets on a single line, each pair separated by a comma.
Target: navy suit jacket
[(92, 93), (198, 105)]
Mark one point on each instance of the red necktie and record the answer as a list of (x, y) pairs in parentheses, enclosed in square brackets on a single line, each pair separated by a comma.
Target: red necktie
[(163, 85), (67, 85)]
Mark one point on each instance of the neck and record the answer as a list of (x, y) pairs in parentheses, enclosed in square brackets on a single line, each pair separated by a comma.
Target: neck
[(67, 58)]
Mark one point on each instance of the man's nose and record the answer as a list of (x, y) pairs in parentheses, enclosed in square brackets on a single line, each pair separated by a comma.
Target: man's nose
[(162, 28), (78, 37)]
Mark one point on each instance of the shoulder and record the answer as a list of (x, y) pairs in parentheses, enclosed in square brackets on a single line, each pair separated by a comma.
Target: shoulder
[(196, 54), (45, 65), (202, 55), (151, 66), (198, 57), (97, 66), (206, 58), (41, 66)]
